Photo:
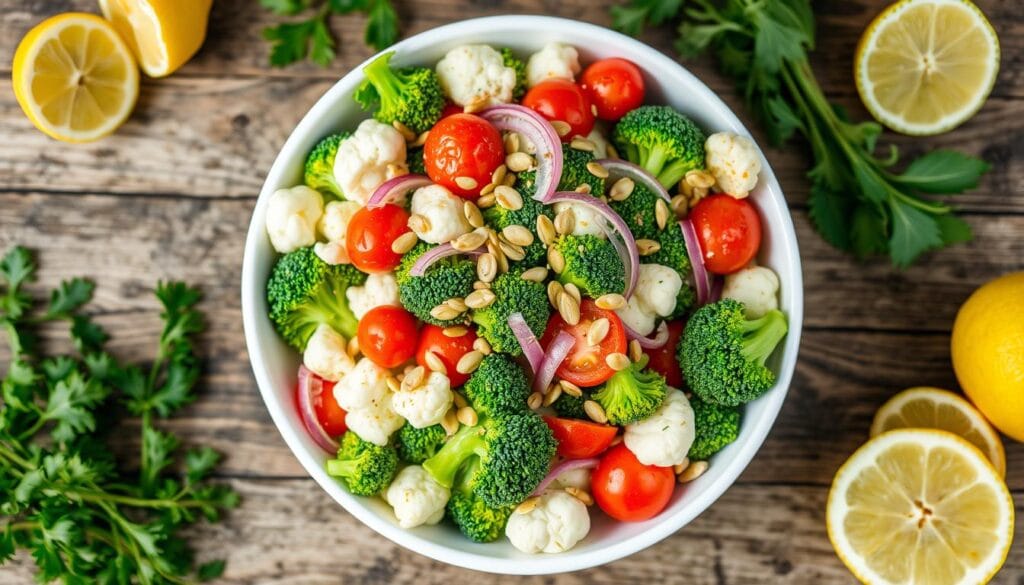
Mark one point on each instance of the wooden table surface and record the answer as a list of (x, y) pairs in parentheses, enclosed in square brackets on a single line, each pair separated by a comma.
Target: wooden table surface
[(170, 196)]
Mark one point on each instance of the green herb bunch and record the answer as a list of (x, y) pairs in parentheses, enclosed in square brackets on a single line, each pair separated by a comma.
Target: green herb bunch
[(312, 37), (84, 515), (858, 201)]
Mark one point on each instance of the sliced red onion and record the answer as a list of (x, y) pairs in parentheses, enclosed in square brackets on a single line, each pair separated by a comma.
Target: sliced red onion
[(624, 244), (531, 347), (717, 284), (419, 268), (556, 351), (660, 336), (399, 186), (618, 168), (700, 274), (311, 389), (533, 126), (567, 465)]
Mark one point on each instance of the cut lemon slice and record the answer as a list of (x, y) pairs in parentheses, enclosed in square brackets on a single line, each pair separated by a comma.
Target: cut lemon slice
[(932, 408), (75, 78), (924, 67), (163, 34), (920, 506)]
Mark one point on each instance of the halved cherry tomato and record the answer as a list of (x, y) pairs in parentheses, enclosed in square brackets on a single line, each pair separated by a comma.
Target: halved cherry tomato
[(330, 416), (387, 335), (729, 231), (449, 349), (628, 490), (585, 365), (580, 439), (463, 146), (370, 235), (664, 359), (615, 86), (561, 99)]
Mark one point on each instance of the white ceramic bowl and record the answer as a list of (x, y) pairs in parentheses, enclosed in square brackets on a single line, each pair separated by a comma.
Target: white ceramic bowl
[(275, 364)]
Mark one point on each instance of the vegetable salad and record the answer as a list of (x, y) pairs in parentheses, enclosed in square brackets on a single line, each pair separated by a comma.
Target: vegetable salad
[(520, 291)]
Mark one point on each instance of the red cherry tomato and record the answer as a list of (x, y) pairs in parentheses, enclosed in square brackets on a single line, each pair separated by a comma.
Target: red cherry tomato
[(585, 365), (561, 99), (664, 359), (330, 416), (387, 335), (615, 86), (449, 349), (370, 235), (450, 109), (580, 439), (463, 145), (729, 231), (628, 490)]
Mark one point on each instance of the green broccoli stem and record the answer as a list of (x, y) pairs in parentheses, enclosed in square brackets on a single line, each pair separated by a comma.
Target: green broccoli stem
[(444, 466), (760, 336), (342, 467), (330, 306), (673, 173), (383, 78), (654, 159)]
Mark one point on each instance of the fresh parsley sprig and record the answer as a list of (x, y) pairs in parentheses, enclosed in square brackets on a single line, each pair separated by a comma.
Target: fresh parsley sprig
[(312, 37), (858, 202), (63, 496)]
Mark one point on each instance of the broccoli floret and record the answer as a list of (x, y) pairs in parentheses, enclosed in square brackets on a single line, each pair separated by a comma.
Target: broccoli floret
[(569, 406), (574, 174), (500, 217), (365, 468), (447, 278), (514, 294), (722, 353), (498, 386), (417, 166), (519, 66), (632, 394), (638, 211), (592, 264), (715, 426), (304, 292), (318, 172), (663, 141), (478, 521), (513, 453), (417, 445), (411, 95)]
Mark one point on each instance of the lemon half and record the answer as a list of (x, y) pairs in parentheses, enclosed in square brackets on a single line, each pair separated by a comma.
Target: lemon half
[(163, 34), (924, 67)]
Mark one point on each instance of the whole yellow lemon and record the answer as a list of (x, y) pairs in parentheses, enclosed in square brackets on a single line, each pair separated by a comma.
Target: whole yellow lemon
[(988, 352)]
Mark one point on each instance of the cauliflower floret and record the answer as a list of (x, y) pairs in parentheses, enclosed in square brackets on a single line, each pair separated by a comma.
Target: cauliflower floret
[(476, 75), (332, 252), (416, 497), (334, 223), (364, 387), (363, 159), (380, 289), (375, 424), (588, 221), (600, 143), (292, 215), (637, 316), (658, 288), (756, 287), (325, 354), (555, 60), (665, 437), (555, 525), (444, 214), (734, 161), (426, 404), (575, 478)]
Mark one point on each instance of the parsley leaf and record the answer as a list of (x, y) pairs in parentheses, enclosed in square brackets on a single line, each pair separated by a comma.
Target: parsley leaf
[(943, 171), (381, 25), (294, 41), (69, 296)]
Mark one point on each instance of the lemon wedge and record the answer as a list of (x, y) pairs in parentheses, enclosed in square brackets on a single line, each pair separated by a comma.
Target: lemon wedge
[(924, 67), (75, 78), (932, 408), (920, 506), (163, 34)]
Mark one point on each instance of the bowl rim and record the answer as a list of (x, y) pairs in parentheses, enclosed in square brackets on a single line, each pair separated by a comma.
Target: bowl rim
[(666, 524)]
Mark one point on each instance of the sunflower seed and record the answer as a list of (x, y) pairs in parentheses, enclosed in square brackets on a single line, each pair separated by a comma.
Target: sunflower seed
[(527, 506), (394, 170), (580, 495), (535, 274), (434, 362), (595, 412), (556, 260), (456, 331), (622, 189), (444, 313), (467, 416), (598, 331), (419, 224), (488, 189), (693, 471), (574, 292), (552, 395), (482, 346), (555, 290), (535, 401), (473, 215), (508, 198), (545, 230), (393, 384), (486, 267), (510, 180), (597, 170), (480, 285), (498, 176), (565, 221), (518, 235), (518, 162), (352, 348), (479, 299), (404, 243), (681, 467), (404, 130), (562, 128), (569, 309), (582, 144), (647, 247), (661, 213), (511, 142), (467, 183), (680, 205), (414, 378), (457, 304), (459, 400), (617, 361), (421, 139), (700, 179), (611, 302), (450, 422), (570, 388), (469, 241), (635, 351), (485, 201), (699, 193), (476, 105), (499, 256), (613, 153), (469, 362), (584, 188)]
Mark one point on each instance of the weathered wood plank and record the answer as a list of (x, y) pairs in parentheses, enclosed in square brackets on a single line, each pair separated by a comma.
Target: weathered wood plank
[(290, 532)]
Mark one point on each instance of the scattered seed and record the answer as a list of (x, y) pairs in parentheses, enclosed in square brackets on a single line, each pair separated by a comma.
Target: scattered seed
[(450, 423), (486, 267), (595, 411), (613, 153), (498, 176), (393, 170), (699, 193), (444, 313), (535, 274), (469, 241), (555, 290), (479, 299), (404, 242), (510, 180), (473, 215), (518, 162), (681, 467), (419, 224), (508, 197), (597, 170), (598, 331), (482, 346), (467, 183), (457, 304), (622, 189), (700, 179), (611, 302), (414, 378), (352, 348), (580, 495), (469, 362), (511, 142), (635, 351), (434, 362), (459, 400), (535, 401), (570, 388), (617, 361), (475, 106), (528, 505), (545, 230), (661, 213), (574, 292), (393, 384), (563, 128), (404, 130), (421, 139), (488, 189), (582, 144), (569, 309), (556, 260), (680, 205), (693, 471), (480, 285), (456, 331), (552, 395), (513, 252), (467, 416), (485, 201), (518, 235), (583, 188), (647, 247), (565, 221), (495, 250)]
